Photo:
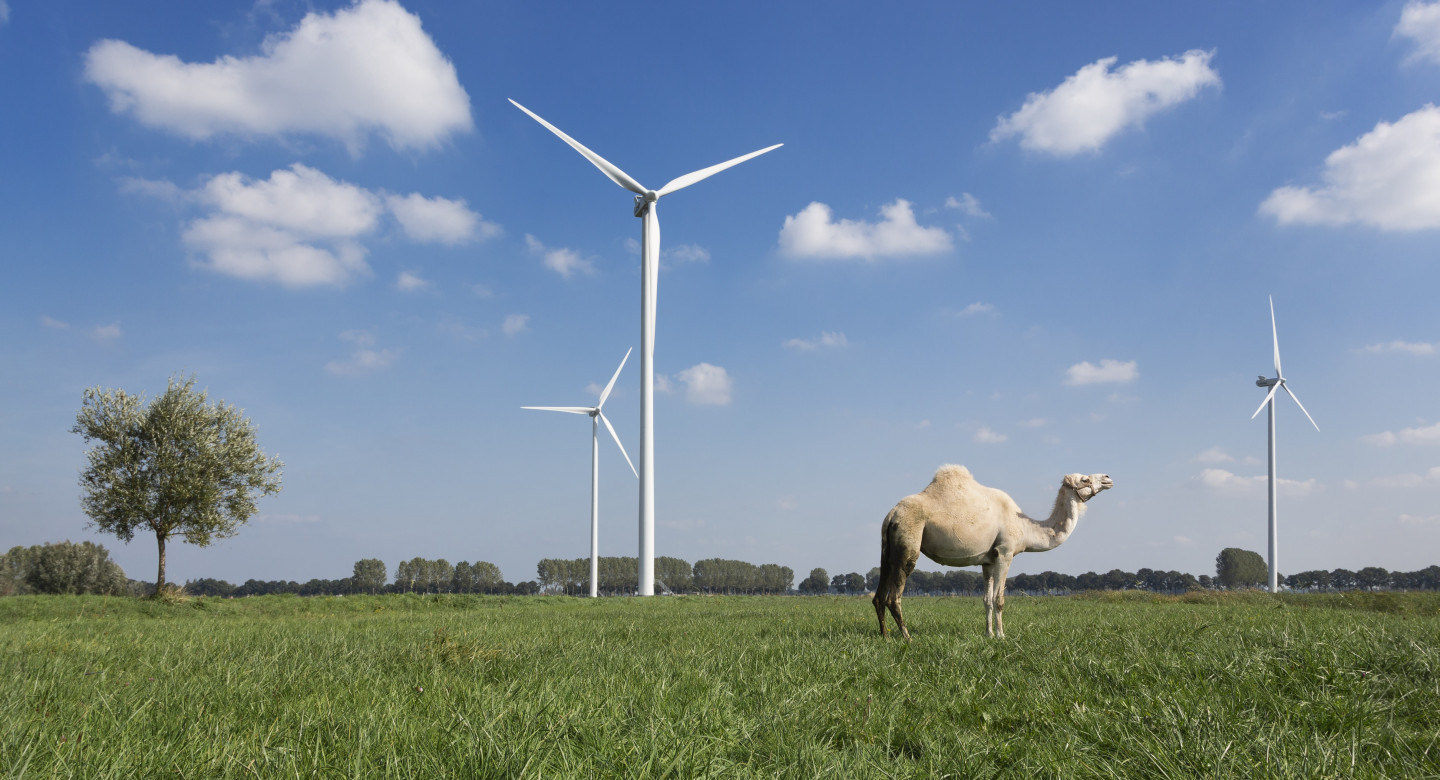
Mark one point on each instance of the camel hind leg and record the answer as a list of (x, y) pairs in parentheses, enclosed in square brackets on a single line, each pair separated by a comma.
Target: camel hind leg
[(897, 561)]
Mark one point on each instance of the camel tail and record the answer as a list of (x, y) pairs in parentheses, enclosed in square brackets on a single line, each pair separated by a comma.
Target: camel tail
[(891, 568)]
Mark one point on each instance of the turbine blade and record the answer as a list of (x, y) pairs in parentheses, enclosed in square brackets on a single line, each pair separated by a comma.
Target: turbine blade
[(1268, 396), (616, 437), (606, 167), (1276, 336), (570, 409), (1297, 403), (705, 173), (606, 392)]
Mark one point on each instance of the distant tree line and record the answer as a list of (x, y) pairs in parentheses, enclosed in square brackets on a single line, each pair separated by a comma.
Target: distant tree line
[(66, 567), (620, 575)]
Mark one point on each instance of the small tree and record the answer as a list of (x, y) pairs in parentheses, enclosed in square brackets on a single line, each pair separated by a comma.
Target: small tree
[(12, 571), (73, 568), (1235, 567), (370, 575), (178, 466), (817, 582)]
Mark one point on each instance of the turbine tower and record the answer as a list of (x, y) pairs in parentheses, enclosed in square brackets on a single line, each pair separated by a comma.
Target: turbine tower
[(649, 279), (1275, 384), (596, 417)]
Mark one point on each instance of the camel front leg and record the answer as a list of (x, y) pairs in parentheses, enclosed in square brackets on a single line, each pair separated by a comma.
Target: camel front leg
[(988, 570), (1002, 572)]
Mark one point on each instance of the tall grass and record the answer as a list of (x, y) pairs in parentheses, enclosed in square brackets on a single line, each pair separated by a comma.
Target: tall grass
[(463, 686)]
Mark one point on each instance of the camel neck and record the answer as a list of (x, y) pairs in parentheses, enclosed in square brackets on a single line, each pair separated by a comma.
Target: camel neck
[(1057, 528)]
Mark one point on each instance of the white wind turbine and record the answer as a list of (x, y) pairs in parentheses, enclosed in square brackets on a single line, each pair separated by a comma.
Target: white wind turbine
[(596, 417), (1275, 384), (649, 279)]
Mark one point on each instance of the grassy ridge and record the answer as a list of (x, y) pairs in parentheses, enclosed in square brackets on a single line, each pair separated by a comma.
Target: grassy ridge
[(1113, 685)]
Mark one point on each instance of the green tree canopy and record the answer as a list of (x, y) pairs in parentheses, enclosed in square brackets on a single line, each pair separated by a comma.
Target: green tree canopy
[(68, 568), (1237, 568), (370, 575), (177, 466)]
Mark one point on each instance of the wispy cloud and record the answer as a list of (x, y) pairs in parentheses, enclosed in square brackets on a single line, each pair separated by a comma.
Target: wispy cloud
[(1406, 480), (986, 436), (51, 322), (1408, 347), (969, 205), (813, 234), (367, 68), (439, 220), (1385, 180), (1226, 482), (1095, 104), (409, 281), (109, 332), (515, 323), (827, 339), (364, 359), (1035, 422), (566, 262), (1425, 435), (1109, 371), (706, 385), (1213, 455), (977, 308)]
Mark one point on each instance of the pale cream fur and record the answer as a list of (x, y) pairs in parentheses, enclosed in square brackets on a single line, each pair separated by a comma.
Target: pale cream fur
[(957, 521)]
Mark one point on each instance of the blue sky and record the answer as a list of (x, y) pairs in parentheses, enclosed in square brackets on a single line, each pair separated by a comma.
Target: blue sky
[(1033, 239)]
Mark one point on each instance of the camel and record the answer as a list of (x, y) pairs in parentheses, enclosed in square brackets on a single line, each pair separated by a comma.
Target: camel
[(956, 521)]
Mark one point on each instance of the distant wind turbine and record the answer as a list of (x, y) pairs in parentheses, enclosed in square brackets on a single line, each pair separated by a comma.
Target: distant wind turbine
[(1275, 384), (649, 279), (596, 417)]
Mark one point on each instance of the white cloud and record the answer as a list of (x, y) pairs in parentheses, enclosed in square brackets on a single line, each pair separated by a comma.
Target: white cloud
[(1411, 347), (515, 323), (987, 436), (482, 291), (366, 68), (814, 234), (1388, 179), (269, 230), (827, 339), (788, 503), (439, 220), (1213, 455), (662, 384), (109, 332), (1087, 373), (4, 12), (412, 282), (977, 308), (1420, 519), (687, 253), (1035, 422), (706, 384), (969, 205), (364, 359), (1420, 22), (1427, 435), (1093, 105), (1226, 482), (1406, 480), (51, 322), (566, 262), (1184, 540)]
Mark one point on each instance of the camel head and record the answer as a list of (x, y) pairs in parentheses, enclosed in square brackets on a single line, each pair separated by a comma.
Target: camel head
[(1085, 486)]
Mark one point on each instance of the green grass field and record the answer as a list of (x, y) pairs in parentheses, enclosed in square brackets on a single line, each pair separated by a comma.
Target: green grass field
[(1114, 685)]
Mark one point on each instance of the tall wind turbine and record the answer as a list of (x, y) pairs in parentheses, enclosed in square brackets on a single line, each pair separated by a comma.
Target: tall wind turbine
[(649, 278), (596, 417), (1275, 384)]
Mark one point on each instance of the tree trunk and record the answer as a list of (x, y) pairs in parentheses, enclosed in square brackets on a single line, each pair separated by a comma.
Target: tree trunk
[(160, 577)]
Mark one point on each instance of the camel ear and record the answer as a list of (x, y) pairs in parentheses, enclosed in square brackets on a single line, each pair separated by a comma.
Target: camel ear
[(1072, 481)]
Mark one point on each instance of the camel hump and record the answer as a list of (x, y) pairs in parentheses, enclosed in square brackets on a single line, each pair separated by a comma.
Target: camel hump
[(948, 477)]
